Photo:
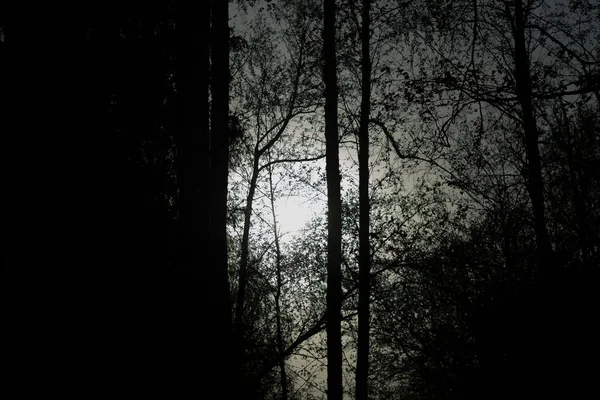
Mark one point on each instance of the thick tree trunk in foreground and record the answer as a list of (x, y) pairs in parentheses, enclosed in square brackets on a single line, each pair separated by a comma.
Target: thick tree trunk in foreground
[(192, 133), (219, 168)]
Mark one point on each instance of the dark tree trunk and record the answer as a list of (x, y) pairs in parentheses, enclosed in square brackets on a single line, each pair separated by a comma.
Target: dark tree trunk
[(193, 286), (534, 167), (573, 157), (334, 220), (192, 133), (173, 333), (243, 273), (219, 168), (278, 294), (238, 323), (543, 304), (364, 257)]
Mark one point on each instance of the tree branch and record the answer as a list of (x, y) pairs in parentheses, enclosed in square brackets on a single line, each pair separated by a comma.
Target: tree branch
[(290, 160)]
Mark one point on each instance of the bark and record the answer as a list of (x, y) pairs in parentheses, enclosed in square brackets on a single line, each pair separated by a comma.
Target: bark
[(364, 258), (334, 220)]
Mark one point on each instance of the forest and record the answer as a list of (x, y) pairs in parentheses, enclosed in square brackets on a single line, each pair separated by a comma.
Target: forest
[(301, 199)]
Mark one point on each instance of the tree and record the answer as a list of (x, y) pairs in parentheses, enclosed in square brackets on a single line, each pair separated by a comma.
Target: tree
[(115, 65), (364, 264), (273, 89), (278, 292), (219, 169), (334, 238), (477, 138), (265, 107), (523, 88)]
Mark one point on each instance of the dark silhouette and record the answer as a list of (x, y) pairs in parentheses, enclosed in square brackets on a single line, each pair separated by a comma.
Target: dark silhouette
[(334, 207), (364, 260), (111, 284)]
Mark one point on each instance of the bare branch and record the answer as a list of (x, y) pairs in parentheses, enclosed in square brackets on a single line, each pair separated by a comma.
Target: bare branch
[(290, 160)]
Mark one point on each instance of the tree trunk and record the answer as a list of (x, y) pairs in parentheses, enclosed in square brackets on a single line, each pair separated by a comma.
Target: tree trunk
[(238, 324), (334, 220), (243, 273), (574, 171), (192, 134), (278, 267), (228, 364), (364, 256), (199, 311), (535, 184), (543, 301)]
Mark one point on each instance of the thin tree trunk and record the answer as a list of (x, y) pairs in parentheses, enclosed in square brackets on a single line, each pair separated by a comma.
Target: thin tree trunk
[(256, 168), (364, 256), (245, 247), (539, 332), (238, 323), (278, 255), (574, 182), (535, 184), (334, 216), (243, 273)]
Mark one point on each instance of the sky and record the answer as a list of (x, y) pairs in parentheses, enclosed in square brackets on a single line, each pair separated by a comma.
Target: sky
[(294, 212)]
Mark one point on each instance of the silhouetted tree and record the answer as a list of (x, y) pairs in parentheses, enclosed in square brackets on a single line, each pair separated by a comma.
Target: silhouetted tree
[(334, 237), (364, 261)]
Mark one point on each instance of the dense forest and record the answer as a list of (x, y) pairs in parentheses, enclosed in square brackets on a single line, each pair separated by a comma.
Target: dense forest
[(446, 153)]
